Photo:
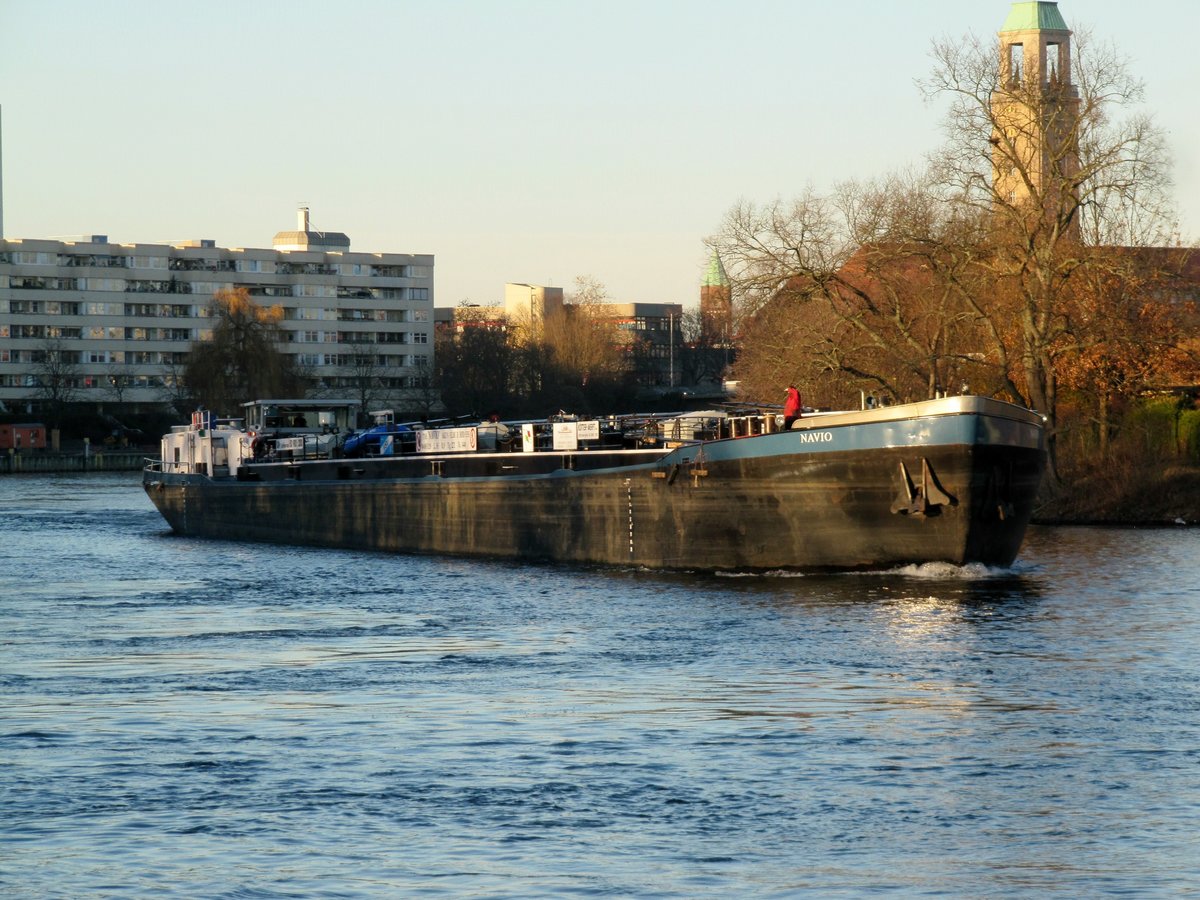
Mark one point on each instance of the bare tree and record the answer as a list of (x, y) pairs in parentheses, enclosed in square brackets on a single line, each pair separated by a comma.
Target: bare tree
[(422, 398), (691, 325), (856, 287), (584, 342), (57, 372), (700, 362), (1054, 159), (117, 381), (474, 364), (365, 371), (174, 384)]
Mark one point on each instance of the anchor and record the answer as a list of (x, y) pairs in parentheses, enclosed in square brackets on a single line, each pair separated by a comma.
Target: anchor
[(924, 500)]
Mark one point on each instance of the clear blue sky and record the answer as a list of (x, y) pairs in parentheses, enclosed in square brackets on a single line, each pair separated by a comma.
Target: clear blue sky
[(530, 140)]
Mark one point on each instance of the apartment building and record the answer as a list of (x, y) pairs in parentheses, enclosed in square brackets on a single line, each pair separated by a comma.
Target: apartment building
[(121, 317)]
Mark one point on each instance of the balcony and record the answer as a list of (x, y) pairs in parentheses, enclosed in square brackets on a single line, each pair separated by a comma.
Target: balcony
[(201, 265)]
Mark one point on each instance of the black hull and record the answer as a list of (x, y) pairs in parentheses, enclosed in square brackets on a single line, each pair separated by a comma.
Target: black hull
[(852, 509)]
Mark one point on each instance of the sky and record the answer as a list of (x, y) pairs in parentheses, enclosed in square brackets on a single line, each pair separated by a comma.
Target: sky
[(522, 141)]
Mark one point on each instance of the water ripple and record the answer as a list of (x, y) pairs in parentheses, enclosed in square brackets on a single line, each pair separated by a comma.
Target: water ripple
[(197, 719)]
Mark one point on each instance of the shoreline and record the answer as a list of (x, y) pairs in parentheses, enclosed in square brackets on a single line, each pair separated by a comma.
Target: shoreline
[(1126, 497), (1140, 524), (40, 463)]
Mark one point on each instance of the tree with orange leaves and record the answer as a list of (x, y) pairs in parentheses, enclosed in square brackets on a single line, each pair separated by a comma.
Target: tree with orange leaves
[(241, 360), (1127, 319)]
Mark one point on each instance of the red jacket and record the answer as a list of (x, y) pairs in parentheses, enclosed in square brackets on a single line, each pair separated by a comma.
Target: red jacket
[(791, 406)]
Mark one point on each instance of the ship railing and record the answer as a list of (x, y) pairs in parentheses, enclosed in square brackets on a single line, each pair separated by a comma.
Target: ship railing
[(646, 430), (293, 447), (625, 431), (677, 429), (173, 467)]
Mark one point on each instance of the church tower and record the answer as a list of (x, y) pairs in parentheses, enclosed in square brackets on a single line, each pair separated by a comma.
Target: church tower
[(716, 305), (1035, 155)]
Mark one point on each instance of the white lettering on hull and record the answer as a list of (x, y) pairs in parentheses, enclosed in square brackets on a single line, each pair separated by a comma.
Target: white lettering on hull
[(816, 437)]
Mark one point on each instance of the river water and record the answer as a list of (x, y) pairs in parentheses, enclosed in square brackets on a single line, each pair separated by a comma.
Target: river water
[(187, 718)]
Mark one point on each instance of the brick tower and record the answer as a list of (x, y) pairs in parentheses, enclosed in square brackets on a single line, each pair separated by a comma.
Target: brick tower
[(716, 305), (1035, 155)]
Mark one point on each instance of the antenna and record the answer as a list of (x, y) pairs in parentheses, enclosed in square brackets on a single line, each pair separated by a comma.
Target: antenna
[(1, 173)]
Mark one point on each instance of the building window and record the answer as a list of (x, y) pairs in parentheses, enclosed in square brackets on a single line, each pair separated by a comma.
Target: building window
[(102, 284), (148, 262), (311, 290), (29, 258)]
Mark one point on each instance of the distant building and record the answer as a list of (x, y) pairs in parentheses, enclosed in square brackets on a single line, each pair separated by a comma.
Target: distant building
[(716, 305), (531, 305), (27, 436), (125, 315), (461, 318), (652, 339), (649, 335)]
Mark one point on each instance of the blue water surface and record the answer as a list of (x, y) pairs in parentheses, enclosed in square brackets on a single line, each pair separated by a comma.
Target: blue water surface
[(187, 718)]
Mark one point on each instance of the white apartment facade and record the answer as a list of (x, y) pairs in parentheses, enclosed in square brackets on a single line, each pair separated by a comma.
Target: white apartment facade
[(124, 315)]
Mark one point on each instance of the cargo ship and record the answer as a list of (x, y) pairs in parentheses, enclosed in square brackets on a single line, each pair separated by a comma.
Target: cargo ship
[(945, 480)]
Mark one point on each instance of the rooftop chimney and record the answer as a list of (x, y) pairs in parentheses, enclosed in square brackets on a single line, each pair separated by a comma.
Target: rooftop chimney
[(302, 219)]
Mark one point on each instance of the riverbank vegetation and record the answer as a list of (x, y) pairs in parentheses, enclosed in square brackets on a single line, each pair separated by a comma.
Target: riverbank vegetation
[(1146, 472)]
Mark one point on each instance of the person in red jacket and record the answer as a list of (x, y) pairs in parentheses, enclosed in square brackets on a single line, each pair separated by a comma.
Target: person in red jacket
[(791, 407)]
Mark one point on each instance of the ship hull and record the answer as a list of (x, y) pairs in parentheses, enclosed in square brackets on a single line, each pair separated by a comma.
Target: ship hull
[(953, 484)]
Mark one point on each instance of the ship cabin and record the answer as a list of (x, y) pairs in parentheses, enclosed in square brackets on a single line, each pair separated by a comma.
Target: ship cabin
[(269, 429), (286, 417)]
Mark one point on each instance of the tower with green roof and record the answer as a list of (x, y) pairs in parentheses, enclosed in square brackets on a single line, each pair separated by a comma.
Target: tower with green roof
[(716, 305), (1035, 110)]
